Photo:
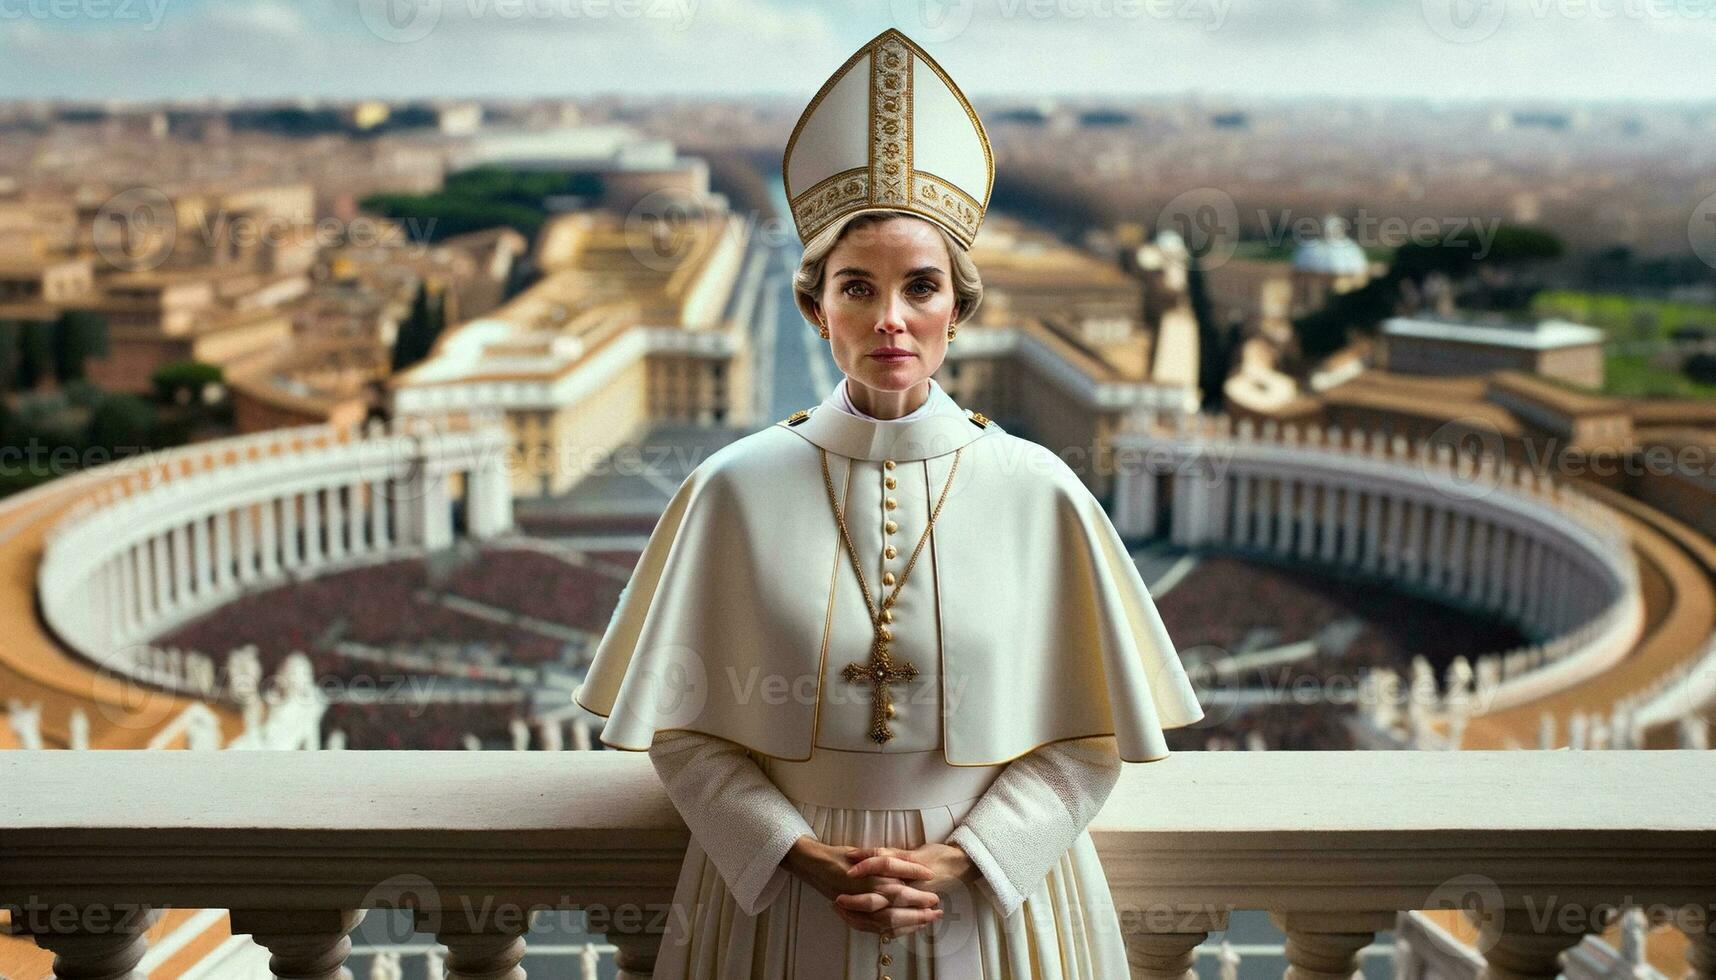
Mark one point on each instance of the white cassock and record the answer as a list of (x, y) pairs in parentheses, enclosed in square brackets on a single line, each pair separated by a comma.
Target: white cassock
[(1041, 664)]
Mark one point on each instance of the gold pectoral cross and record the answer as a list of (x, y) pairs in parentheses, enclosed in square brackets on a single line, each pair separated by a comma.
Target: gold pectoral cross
[(880, 672)]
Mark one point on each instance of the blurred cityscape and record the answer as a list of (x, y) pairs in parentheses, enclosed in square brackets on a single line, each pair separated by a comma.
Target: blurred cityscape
[(340, 424)]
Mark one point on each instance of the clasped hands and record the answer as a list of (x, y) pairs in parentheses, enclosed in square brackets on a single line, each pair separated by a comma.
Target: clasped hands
[(890, 891)]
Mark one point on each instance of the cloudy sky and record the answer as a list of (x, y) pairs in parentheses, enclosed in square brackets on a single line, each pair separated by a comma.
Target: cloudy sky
[(1559, 49)]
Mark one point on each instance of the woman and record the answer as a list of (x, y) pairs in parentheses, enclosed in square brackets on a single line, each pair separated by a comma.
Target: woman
[(886, 658)]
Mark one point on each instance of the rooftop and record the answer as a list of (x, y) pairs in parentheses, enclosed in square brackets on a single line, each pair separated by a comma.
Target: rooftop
[(1542, 335)]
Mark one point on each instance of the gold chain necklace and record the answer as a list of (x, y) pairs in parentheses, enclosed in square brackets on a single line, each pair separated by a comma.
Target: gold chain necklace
[(881, 670)]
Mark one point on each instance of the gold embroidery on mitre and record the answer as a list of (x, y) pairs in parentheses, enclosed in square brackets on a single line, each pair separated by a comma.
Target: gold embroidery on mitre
[(943, 198), (831, 197), (889, 178), (890, 112)]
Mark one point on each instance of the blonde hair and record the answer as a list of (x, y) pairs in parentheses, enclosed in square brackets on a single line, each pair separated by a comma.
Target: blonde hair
[(807, 281)]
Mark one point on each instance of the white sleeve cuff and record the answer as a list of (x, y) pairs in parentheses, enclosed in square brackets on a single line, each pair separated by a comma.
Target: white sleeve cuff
[(741, 819), (994, 882), (761, 881)]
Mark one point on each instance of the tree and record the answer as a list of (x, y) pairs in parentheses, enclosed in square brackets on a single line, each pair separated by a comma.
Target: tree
[(1701, 368), (1519, 245), (416, 334), (1417, 260), (182, 382), (35, 354), (8, 355), (122, 424), (1216, 342), (78, 336), (437, 320), (521, 275), (1325, 331)]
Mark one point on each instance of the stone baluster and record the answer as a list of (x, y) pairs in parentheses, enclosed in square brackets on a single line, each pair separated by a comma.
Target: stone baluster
[(379, 535), (635, 952), (95, 942), (314, 554), (481, 950), (1325, 945), (305, 944), (244, 519), (1162, 950), (1525, 950), (1700, 929)]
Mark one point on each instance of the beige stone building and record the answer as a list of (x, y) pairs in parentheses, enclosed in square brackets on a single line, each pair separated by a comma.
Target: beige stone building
[(627, 328), (1061, 349), (1553, 348), (345, 329), (212, 316)]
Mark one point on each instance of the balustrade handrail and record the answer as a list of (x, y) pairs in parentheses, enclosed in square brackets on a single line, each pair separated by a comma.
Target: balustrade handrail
[(1199, 830)]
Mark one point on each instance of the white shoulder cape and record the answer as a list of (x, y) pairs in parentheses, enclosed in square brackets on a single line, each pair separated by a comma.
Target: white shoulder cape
[(1047, 629)]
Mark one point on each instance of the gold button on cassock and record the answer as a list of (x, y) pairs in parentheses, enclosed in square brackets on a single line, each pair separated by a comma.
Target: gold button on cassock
[(890, 551), (890, 503), (890, 483), (888, 463), (887, 578), (891, 527)]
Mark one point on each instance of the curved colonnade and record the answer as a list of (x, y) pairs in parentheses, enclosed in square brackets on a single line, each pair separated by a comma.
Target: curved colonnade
[(1475, 532)]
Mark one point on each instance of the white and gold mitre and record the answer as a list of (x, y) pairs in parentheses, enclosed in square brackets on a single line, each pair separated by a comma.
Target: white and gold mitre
[(889, 131)]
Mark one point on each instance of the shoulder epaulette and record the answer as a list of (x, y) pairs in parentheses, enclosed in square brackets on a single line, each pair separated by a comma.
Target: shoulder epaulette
[(978, 418), (797, 417)]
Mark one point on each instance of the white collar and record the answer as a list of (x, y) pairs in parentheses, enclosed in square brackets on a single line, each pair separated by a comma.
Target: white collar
[(841, 398), (936, 428)]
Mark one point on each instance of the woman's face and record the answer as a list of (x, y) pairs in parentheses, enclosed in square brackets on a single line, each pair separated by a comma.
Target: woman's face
[(888, 286)]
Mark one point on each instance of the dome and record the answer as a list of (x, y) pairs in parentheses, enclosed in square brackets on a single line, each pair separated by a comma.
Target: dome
[(1332, 255)]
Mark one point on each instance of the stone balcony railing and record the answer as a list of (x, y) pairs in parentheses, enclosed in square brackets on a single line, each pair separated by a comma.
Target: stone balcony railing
[(1539, 847)]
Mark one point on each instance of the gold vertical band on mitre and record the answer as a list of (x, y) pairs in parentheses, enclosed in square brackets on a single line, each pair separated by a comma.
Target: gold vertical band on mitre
[(890, 115)]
